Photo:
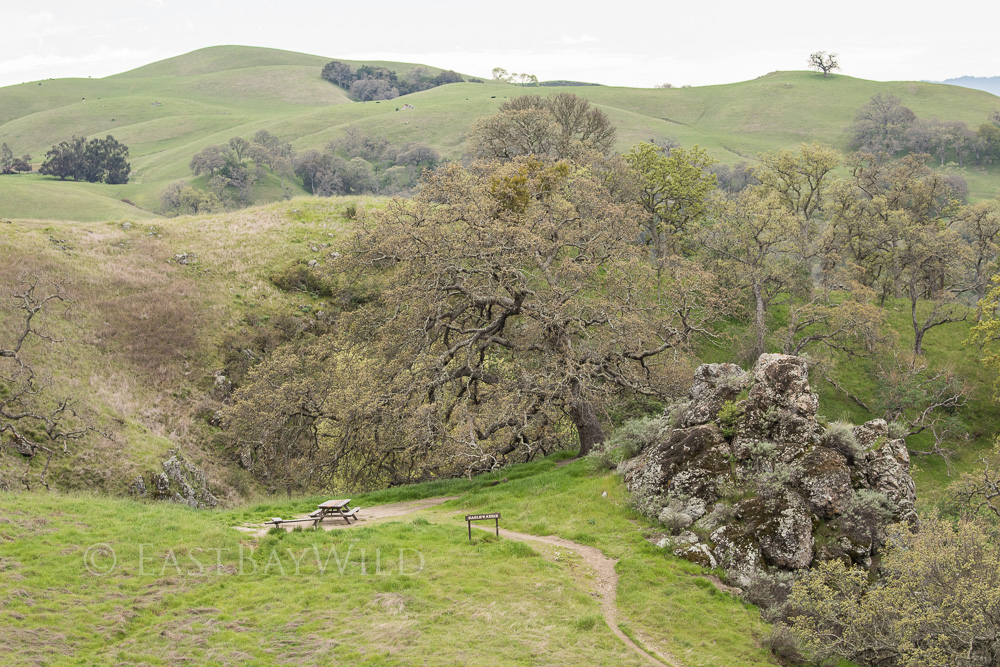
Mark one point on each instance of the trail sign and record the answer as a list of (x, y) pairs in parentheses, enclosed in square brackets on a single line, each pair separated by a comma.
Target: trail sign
[(469, 518)]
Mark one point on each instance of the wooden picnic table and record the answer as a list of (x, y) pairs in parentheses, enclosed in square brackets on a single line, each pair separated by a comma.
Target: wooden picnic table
[(336, 508)]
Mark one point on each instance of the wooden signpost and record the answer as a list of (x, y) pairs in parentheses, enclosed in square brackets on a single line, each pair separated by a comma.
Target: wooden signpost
[(469, 518)]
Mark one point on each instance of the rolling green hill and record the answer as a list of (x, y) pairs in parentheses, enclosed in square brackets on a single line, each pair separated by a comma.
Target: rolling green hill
[(167, 111)]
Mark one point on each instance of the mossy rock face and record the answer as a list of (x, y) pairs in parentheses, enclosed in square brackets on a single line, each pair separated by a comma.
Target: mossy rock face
[(781, 499)]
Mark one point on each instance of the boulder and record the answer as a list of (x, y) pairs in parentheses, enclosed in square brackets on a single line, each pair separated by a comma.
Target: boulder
[(826, 482), (761, 480)]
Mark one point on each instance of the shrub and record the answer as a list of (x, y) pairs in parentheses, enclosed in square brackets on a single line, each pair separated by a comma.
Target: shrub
[(301, 278), (601, 461), (866, 516), (675, 412), (782, 642), (898, 430), (729, 416), (634, 436), (935, 605), (839, 436), (772, 418), (770, 591), (773, 484)]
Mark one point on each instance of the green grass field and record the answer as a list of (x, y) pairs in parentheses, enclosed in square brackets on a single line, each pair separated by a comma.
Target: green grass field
[(486, 602), (167, 111)]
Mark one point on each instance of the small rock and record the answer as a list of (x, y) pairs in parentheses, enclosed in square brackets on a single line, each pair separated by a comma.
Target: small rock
[(604, 494)]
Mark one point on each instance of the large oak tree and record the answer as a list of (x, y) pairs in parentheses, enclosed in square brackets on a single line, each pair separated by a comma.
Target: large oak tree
[(513, 303)]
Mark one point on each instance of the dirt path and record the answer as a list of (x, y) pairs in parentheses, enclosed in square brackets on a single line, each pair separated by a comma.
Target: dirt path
[(605, 583), (605, 579)]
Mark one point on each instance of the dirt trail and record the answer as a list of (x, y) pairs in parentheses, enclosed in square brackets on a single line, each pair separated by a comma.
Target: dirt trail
[(605, 579), (605, 583)]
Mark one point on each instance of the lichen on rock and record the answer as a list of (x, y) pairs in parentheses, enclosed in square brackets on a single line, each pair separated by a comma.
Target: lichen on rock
[(746, 463), (179, 482)]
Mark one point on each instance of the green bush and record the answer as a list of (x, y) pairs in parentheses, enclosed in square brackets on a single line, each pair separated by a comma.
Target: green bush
[(301, 278), (729, 417)]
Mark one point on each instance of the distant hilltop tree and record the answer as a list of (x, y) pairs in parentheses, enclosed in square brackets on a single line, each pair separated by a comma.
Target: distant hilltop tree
[(821, 61), (94, 161), (374, 82), (525, 79)]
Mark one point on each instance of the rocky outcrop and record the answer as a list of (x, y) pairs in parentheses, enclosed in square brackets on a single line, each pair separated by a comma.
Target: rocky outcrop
[(747, 478), (179, 482)]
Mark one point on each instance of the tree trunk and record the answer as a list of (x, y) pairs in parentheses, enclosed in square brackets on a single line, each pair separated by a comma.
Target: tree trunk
[(918, 332), (584, 417), (760, 321)]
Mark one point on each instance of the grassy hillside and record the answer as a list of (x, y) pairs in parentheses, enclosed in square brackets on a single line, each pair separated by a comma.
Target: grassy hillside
[(167, 111), (485, 602), (144, 335)]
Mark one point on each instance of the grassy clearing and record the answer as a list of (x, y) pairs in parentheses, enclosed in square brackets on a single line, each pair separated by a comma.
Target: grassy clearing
[(663, 602), (491, 601), (167, 111)]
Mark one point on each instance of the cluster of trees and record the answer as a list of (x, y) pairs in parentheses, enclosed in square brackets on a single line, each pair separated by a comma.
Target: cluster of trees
[(373, 82), (885, 125), (524, 79), (524, 273), (527, 296), (94, 161), (233, 169), (358, 163), (361, 163), (12, 165)]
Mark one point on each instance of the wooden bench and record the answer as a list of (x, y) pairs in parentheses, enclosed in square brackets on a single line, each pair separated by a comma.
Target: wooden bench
[(277, 520)]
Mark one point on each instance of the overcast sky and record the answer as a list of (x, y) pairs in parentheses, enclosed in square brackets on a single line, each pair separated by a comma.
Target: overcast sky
[(623, 42)]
